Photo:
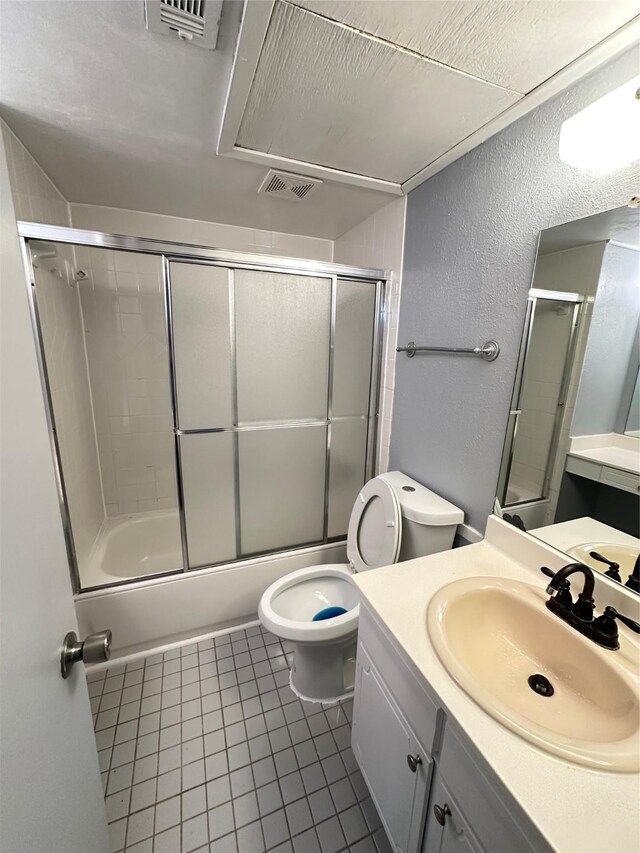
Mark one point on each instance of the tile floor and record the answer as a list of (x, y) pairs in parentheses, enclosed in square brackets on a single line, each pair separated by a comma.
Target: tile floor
[(206, 748)]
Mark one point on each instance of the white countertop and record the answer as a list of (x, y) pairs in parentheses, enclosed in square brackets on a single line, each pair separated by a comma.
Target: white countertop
[(610, 449), (574, 807), (568, 534)]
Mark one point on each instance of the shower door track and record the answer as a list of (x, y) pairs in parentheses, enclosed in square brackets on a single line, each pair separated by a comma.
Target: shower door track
[(197, 254)]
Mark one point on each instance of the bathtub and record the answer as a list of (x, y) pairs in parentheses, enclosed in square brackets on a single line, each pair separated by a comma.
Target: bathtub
[(148, 613), (524, 502), (517, 493), (130, 547)]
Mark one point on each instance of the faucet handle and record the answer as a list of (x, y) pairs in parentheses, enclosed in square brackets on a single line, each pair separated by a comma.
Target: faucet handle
[(626, 620), (614, 568)]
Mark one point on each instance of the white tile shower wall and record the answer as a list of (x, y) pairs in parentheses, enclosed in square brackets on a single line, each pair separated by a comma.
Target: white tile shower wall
[(35, 197), (136, 223), (379, 242), (62, 335), (123, 310)]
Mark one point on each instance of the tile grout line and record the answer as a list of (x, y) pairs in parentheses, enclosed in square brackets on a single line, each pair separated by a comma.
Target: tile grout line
[(239, 644)]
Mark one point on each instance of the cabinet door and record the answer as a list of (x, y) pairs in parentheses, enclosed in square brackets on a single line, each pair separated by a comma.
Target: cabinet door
[(455, 836), (381, 741)]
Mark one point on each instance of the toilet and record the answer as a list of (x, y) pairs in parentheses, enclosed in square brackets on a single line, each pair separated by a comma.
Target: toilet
[(394, 518)]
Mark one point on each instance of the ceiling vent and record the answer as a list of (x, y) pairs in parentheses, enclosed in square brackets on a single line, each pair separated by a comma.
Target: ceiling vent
[(286, 185), (195, 21)]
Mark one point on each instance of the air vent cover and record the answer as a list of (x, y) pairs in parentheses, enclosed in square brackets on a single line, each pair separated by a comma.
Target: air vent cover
[(195, 21), (287, 185)]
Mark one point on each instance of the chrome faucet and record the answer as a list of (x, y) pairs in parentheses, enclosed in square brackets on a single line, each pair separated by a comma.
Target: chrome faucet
[(602, 630)]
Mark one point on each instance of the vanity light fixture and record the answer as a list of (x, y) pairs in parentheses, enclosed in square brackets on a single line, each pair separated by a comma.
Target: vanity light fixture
[(605, 135)]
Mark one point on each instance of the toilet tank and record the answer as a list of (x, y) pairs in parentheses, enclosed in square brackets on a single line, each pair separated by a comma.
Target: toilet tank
[(429, 522)]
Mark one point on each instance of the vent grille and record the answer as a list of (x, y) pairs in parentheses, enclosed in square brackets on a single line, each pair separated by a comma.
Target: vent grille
[(289, 186), (189, 20)]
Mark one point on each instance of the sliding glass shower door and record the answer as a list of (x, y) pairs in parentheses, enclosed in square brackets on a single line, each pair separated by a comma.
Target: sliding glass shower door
[(273, 400)]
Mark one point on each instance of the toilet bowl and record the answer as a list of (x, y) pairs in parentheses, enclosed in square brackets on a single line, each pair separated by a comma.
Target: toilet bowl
[(394, 518)]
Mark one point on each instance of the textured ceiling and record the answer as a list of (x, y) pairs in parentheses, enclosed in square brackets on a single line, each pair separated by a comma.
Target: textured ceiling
[(383, 88), (516, 44), (327, 94), (122, 117)]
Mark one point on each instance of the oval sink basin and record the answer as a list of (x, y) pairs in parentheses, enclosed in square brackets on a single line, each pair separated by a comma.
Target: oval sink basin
[(624, 555), (535, 674)]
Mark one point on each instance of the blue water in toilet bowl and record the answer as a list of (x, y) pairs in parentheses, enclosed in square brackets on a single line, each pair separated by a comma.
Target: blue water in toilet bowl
[(328, 613)]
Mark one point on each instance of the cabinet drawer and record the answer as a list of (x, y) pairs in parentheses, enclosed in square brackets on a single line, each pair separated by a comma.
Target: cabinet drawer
[(620, 479), (583, 468), (491, 814), (418, 707)]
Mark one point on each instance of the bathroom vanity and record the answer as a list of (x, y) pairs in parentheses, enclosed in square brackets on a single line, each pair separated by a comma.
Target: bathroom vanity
[(447, 775)]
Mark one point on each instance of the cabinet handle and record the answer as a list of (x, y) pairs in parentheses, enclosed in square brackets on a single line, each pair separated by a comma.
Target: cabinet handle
[(441, 813), (413, 761)]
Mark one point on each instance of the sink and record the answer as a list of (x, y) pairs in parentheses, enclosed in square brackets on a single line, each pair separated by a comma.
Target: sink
[(624, 555), (504, 648)]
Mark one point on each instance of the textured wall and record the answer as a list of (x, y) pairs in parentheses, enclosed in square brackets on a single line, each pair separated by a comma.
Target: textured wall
[(470, 246), (611, 357)]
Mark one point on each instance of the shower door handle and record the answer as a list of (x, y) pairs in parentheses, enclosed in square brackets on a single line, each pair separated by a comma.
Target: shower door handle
[(95, 649)]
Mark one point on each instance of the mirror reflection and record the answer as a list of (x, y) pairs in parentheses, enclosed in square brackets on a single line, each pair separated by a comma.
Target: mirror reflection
[(570, 471)]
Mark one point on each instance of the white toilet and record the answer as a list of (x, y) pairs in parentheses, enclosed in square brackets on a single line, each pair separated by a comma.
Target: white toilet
[(394, 519)]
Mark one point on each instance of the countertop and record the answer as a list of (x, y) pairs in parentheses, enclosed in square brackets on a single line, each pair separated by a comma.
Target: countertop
[(574, 807), (613, 450), (568, 534)]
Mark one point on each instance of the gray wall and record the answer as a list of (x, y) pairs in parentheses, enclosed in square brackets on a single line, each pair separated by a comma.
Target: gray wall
[(611, 358), (470, 246)]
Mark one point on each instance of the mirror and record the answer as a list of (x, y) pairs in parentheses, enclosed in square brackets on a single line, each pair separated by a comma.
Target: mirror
[(632, 427), (570, 470)]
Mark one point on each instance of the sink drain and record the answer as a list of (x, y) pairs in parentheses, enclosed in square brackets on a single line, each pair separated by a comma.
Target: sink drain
[(541, 685)]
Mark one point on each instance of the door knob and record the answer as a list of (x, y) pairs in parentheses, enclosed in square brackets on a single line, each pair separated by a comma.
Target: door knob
[(441, 813), (413, 761), (96, 648)]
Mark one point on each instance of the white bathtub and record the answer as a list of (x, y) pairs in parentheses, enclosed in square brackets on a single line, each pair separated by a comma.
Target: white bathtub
[(131, 547), (146, 614)]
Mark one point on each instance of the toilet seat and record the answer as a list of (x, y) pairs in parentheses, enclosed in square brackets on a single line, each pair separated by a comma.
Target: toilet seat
[(275, 619), (375, 527)]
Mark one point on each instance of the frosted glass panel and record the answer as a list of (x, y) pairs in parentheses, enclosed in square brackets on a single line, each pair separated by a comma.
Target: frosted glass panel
[(346, 471), (282, 342), (202, 348), (282, 480), (209, 497), (355, 308)]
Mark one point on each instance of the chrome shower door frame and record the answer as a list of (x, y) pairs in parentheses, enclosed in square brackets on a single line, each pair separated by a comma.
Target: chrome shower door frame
[(577, 301), (184, 252)]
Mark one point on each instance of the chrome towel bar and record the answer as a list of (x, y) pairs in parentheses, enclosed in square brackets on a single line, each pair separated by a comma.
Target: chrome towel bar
[(489, 350)]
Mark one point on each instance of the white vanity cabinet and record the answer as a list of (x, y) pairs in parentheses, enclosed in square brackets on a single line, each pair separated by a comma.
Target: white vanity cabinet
[(447, 831), (396, 766), (433, 793)]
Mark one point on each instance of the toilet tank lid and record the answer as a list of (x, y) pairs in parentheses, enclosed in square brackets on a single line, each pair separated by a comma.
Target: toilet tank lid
[(420, 504)]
